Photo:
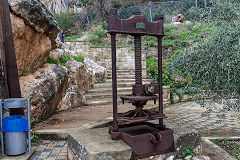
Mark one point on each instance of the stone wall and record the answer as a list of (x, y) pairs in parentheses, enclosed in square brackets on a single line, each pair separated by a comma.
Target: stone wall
[(102, 55)]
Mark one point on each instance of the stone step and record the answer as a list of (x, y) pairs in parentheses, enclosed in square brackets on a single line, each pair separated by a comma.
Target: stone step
[(127, 80), (108, 90), (131, 77), (107, 101), (120, 84), (101, 102), (104, 95), (128, 76), (122, 71)]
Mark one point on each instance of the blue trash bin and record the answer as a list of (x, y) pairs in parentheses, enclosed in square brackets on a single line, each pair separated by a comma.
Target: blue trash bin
[(15, 128)]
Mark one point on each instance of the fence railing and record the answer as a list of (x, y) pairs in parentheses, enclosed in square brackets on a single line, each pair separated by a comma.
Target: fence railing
[(168, 9)]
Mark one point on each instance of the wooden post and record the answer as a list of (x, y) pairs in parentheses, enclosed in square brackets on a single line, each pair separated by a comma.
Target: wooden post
[(13, 85), (114, 82)]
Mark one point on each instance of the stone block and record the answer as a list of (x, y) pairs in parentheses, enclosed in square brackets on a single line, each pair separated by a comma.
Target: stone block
[(166, 94), (96, 144), (186, 97)]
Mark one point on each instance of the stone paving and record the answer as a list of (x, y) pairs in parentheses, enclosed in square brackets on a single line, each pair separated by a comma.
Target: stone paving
[(190, 114), (50, 150)]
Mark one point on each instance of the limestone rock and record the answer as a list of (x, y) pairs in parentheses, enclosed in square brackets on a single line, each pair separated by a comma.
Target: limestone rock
[(32, 48), (36, 14), (57, 6), (186, 97), (98, 71), (201, 158), (71, 99), (57, 53), (44, 88), (176, 98), (178, 18), (188, 158), (185, 137), (78, 83)]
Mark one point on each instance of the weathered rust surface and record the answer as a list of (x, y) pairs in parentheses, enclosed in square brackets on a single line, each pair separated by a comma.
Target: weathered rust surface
[(10, 57), (145, 138), (3, 91), (136, 24)]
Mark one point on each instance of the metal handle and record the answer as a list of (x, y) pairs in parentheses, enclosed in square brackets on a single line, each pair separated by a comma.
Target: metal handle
[(156, 139)]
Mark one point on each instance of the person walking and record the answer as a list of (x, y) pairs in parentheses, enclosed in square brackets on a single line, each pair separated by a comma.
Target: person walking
[(61, 36)]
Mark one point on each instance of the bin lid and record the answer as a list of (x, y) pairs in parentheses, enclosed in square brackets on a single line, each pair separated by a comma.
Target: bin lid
[(15, 123), (14, 103)]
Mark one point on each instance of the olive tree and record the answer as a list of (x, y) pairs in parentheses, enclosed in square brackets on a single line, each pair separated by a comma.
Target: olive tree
[(214, 63)]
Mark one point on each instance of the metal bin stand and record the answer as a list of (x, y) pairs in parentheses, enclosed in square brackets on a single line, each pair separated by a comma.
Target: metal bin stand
[(15, 142)]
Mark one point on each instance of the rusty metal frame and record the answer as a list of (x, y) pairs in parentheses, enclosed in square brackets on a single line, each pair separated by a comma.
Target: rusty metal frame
[(12, 77), (145, 138)]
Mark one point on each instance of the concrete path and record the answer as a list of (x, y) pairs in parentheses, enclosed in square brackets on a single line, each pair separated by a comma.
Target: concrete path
[(191, 114), (184, 114)]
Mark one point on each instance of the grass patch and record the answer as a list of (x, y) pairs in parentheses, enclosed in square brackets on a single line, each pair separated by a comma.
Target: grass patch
[(79, 58), (24, 72), (188, 152), (35, 139), (96, 38), (73, 37), (61, 61)]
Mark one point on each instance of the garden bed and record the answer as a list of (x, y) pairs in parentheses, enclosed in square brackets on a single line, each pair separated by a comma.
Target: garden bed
[(230, 146)]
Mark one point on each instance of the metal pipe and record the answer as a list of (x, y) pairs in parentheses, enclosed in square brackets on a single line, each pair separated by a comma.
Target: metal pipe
[(150, 10), (29, 126), (2, 138), (114, 81), (87, 18), (160, 92)]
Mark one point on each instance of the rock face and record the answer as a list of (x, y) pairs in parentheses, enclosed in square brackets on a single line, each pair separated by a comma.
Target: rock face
[(79, 82), (32, 48), (57, 6), (34, 32), (45, 89), (97, 71), (35, 14)]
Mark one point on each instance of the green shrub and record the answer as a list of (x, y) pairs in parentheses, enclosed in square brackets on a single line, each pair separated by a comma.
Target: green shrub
[(79, 58), (169, 43), (152, 43), (96, 38), (64, 58), (64, 21), (214, 65), (100, 32), (35, 139), (52, 60), (169, 78), (188, 152)]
